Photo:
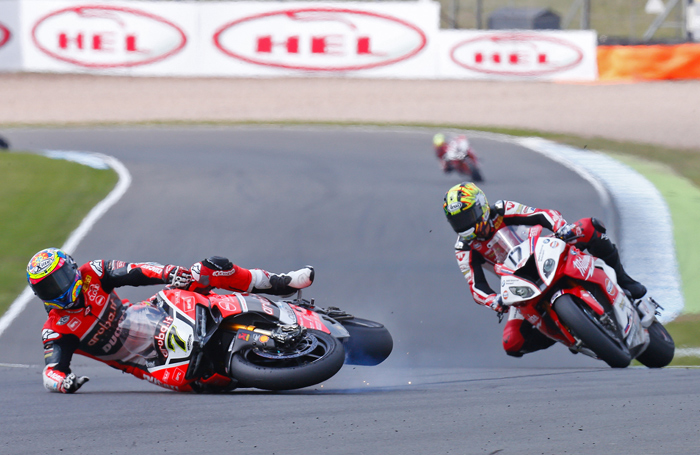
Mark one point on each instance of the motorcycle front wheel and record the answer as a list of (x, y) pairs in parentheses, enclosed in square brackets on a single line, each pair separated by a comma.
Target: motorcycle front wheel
[(315, 358), (585, 326)]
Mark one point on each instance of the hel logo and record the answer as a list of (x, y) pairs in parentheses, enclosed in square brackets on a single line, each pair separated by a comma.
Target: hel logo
[(107, 37), (516, 54), (4, 35), (320, 39)]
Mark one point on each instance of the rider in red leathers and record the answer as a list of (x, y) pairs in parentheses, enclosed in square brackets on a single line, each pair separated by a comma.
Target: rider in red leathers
[(476, 223), (456, 155), (84, 311)]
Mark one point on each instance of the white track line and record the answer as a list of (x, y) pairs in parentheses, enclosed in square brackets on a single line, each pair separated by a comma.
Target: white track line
[(687, 352), (88, 222)]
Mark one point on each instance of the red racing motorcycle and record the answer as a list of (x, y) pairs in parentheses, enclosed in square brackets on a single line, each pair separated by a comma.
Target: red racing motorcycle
[(573, 298), (182, 339), (459, 156)]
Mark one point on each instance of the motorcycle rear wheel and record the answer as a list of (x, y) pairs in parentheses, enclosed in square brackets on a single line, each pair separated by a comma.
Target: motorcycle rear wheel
[(661, 348), (319, 357), (476, 175), (370, 343), (589, 330)]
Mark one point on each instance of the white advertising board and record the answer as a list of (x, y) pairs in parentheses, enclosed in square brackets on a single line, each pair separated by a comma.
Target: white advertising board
[(279, 39), (519, 54), (10, 50), (381, 39), (114, 37), (230, 38)]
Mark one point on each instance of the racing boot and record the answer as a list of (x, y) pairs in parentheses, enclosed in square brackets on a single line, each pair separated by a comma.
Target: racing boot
[(602, 247), (635, 288), (283, 284)]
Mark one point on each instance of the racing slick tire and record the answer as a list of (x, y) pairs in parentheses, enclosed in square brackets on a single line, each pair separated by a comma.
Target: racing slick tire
[(370, 343), (584, 325), (319, 356), (661, 348)]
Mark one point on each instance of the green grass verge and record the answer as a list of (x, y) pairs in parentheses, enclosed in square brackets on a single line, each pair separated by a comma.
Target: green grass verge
[(42, 201)]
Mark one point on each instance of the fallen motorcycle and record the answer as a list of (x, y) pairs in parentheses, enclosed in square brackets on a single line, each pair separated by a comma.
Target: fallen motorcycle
[(573, 298), (213, 342)]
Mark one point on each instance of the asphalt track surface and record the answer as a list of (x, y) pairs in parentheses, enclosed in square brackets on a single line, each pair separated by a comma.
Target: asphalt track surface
[(364, 207)]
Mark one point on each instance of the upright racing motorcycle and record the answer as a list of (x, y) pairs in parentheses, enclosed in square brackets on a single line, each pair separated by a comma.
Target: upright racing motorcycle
[(460, 157), (188, 341), (573, 298)]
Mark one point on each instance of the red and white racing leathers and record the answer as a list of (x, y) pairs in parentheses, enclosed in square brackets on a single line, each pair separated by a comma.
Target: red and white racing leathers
[(93, 328), (454, 151), (518, 335)]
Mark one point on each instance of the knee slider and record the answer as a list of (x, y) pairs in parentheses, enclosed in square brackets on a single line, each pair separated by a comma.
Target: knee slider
[(218, 263)]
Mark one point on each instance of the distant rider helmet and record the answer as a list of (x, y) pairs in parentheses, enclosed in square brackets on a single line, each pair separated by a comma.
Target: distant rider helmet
[(467, 211), (54, 277), (438, 140)]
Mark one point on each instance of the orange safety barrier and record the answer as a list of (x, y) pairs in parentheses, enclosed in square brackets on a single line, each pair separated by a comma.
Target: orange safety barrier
[(680, 61)]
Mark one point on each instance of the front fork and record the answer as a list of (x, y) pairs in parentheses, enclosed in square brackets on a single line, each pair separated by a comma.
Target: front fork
[(249, 335)]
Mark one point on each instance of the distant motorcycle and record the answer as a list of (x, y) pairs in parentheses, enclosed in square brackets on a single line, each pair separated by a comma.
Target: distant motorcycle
[(246, 340), (457, 155), (573, 298)]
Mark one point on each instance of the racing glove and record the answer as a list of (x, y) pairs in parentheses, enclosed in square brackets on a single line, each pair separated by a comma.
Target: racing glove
[(58, 381), (499, 307), (179, 277), (496, 304), (569, 233)]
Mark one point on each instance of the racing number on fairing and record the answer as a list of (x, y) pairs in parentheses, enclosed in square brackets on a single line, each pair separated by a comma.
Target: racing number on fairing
[(515, 256), (174, 339)]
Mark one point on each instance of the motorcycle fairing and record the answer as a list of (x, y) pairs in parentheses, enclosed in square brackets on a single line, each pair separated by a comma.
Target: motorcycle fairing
[(548, 251), (312, 320), (515, 289), (184, 301), (237, 303)]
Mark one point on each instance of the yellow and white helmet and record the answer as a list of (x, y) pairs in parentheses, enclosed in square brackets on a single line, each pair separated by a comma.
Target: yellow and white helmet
[(467, 210)]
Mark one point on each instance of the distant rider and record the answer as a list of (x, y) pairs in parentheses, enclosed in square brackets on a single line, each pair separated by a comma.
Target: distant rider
[(84, 311), (476, 223), (453, 152)]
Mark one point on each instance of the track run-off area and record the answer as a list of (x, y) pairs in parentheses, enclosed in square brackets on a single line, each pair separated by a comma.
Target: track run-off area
[(363, 206)]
